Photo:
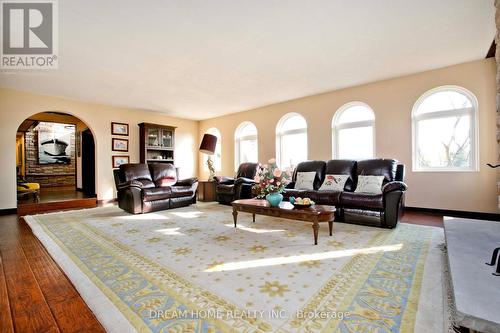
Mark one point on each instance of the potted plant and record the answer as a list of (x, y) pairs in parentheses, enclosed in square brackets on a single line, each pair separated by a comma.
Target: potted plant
[(271, 182)]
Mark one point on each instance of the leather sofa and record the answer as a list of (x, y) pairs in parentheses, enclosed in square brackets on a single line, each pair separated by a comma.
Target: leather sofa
[(229, 189), (385, 208), (144, 188)]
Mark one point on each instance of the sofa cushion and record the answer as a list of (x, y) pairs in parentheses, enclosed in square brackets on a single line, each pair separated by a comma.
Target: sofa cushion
[(163, 174), (316, 166), (305, 180), (134, 171), (343, 167), (362, 200), (334, 182), (369, 184), (331, 198), (181, 191), (156, 193), (378, 167)]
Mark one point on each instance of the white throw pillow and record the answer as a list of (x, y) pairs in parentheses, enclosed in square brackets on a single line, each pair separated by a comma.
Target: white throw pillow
[(305, 180), (369, 184), (334, 183)]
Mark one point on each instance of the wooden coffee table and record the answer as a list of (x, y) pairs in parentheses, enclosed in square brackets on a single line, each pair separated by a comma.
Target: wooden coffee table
[(314, 214)]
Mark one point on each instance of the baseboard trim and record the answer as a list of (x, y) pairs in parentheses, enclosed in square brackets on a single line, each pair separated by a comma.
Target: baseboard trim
[(8, 211), (457, 213)]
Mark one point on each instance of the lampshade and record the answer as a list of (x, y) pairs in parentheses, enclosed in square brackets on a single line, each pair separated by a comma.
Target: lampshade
[(208, 144)]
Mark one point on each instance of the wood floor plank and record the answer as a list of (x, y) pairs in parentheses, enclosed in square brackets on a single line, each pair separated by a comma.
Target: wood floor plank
[(30, 311), (69, 309), (6, 325)]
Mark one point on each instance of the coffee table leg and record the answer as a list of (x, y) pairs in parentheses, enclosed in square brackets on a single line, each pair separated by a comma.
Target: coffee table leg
[(315, 231), (235, 216), (330, 226), (253, 218)]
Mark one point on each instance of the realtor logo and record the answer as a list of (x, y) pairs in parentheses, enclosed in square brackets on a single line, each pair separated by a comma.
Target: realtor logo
[(29, 34)]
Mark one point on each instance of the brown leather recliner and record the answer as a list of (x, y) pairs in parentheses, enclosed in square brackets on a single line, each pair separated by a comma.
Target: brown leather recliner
[(386, 207), (144, 188), (230, 189)]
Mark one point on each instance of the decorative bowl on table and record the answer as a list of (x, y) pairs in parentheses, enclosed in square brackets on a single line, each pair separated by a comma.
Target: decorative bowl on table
[(302, 203)]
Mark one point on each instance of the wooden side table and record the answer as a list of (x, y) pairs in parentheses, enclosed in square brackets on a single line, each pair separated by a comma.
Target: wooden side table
[(206, 190)]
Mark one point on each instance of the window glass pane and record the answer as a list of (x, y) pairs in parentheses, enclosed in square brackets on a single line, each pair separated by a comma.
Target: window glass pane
[(292, 123), (355, 113), (248, 151), (246, 130), (355, 143), (444, 143), (444, 100), (293, 149)]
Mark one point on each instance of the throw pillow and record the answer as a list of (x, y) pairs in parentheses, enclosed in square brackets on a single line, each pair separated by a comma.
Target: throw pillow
[(334, 183), (369, 184), (305, 180)]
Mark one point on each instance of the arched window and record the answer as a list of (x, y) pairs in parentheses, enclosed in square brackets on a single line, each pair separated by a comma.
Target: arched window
[(444, 130), (353, 131), (217, 156), (245, 139), (291, 140)]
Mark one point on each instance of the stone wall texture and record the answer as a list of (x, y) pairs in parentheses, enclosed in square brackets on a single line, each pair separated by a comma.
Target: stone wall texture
[(48, 175)]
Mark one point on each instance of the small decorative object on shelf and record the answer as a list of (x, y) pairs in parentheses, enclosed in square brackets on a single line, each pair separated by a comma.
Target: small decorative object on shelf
[(271, 182)]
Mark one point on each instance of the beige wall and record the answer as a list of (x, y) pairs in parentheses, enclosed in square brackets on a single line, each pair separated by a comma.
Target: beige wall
[(16, 106), (392, 101)]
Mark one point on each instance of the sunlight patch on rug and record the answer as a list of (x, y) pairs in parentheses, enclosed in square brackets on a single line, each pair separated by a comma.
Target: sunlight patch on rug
[(190, 270)]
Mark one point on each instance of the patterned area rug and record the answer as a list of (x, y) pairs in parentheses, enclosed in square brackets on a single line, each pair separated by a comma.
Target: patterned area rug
[(190, 270)]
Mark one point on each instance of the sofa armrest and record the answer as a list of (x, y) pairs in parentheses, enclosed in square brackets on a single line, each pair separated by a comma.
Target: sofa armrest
[(128, 184), (220, 180), (394, 186), (186, 182), (243, 180)]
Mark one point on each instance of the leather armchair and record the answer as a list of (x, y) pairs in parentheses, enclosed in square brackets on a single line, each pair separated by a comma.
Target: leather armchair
[(229, 189), (144, 188)]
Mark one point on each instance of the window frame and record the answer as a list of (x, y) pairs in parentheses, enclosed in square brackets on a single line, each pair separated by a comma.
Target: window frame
[(216, 132), (280, 134), (473, 130), (363, 123), (238, 139)]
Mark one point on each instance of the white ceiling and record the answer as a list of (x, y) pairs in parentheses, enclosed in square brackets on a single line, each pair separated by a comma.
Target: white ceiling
[(200, 59)]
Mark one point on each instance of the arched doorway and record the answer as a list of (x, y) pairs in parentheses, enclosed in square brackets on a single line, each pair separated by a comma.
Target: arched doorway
[(55, 160)]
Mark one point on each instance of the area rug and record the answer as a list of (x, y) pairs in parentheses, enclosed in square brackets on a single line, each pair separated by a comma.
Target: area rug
[(190, 270)]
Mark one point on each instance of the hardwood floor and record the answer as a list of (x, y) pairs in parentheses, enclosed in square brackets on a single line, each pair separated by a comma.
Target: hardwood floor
[(35, 294)]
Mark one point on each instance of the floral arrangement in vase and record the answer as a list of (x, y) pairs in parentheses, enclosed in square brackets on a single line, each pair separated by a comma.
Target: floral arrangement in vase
[(271, 182)]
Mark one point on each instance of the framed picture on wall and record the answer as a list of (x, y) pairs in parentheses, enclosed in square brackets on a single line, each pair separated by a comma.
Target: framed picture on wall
[(119, 144), (119, 160), (119, 129)]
